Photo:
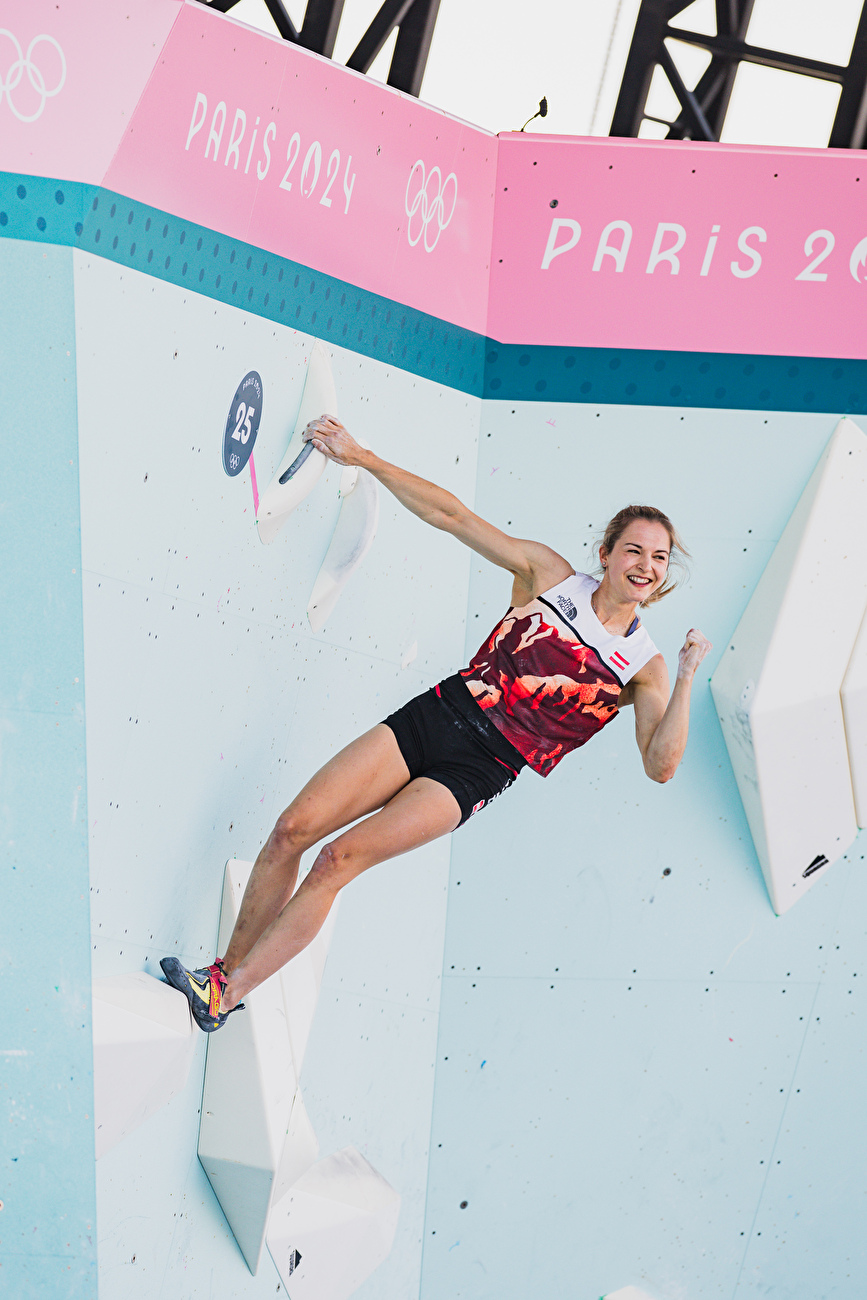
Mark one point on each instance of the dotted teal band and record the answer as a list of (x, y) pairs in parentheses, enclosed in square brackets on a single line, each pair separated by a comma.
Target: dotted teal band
[(241, 275), (731, 380), (230, 271)]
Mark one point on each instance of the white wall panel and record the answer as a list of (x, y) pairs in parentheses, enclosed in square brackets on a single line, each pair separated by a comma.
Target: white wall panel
[(210, 701)]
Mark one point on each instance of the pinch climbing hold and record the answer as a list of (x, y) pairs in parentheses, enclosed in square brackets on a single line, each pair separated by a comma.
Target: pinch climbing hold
[(280, 498)]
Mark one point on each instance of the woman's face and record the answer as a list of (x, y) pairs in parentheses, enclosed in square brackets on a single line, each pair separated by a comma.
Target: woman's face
[(638, 561)]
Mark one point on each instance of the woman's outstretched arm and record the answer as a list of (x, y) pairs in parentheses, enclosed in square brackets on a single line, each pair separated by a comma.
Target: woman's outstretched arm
[(662, 722), (534, 566)]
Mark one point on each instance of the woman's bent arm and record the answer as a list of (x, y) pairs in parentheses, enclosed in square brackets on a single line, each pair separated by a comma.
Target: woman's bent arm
[(662, 724), (535, 567)]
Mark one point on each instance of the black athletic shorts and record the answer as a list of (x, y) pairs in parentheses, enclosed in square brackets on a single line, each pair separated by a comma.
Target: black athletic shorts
[(444, 735)]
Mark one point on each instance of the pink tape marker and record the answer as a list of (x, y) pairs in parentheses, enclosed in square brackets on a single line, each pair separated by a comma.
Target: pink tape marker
[(254, 485)]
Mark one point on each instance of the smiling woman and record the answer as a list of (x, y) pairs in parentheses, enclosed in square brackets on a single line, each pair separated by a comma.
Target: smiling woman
[(568, 654), (673, 552)]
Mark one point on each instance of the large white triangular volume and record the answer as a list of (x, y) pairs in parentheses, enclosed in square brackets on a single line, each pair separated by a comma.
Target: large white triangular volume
[(777, 687), (333, 1228), (300, 1150), (854, 697), (254, 1137), (143, 1043), (279, 499), (352, 539), (250, 1087), (301, 979)]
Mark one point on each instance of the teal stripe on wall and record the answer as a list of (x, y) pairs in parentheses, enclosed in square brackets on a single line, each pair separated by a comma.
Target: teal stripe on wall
[(721, 380), (241, 275)]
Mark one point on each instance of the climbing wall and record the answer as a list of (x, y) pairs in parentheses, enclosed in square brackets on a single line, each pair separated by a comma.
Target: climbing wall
[(571, 1051)]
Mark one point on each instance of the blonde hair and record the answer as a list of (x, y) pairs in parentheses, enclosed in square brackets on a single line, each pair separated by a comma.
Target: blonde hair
[(678, 555)]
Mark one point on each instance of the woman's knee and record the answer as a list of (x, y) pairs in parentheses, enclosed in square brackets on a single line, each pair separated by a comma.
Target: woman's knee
[(292, 832), (334, 866)]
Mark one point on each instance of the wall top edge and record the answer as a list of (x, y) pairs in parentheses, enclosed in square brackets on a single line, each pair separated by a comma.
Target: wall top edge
[(858, 156)]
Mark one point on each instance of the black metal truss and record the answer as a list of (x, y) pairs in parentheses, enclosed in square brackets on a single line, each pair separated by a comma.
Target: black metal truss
[(414, 19), (703, 109)]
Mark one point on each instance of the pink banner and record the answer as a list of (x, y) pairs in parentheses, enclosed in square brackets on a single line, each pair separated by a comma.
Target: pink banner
[(683, 246), (70, 78), (288, 151), (596, 242)]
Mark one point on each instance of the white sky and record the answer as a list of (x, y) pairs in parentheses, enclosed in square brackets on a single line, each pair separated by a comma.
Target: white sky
[(492, 60)]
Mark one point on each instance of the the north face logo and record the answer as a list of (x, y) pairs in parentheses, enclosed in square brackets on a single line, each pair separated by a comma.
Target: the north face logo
[(567, 607)]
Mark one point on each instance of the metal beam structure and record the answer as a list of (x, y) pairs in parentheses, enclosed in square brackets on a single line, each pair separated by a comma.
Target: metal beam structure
[(703, 108), (414, 19)]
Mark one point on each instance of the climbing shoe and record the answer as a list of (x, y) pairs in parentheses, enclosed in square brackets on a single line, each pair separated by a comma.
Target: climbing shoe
[(203, 989)]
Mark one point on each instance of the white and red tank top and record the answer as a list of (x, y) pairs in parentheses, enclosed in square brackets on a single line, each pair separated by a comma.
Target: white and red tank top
[(549, 675)]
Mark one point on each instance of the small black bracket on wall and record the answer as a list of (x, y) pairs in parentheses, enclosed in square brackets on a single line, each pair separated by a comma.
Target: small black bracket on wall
[(414, 19), (703, 109)]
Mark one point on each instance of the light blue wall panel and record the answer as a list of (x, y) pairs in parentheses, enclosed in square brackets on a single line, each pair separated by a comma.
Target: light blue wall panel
[(602, 1117), (644, 1035), (806, 1237), (47, 1226)]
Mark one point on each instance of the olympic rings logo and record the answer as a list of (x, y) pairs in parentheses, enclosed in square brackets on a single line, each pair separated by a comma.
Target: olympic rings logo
[(429, 204), (24, 63)]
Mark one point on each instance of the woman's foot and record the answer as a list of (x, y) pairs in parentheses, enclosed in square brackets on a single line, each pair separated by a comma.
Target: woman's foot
[(203, 990)]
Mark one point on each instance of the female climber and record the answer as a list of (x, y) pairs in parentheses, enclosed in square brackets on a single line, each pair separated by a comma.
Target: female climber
[(569, 653)]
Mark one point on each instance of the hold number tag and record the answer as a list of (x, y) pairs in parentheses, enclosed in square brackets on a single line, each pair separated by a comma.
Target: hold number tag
[(242, 424)]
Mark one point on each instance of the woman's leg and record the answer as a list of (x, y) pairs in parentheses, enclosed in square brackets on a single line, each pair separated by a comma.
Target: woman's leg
[(362, 777), (422, 811)]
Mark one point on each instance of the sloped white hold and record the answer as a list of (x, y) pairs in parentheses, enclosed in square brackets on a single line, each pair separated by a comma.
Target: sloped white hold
[(777, 686), (352, 539), (300, 1150), (279, 499), (143, 1043), (301, 979), (255, 1139), (854, 697), (333, 1228)]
